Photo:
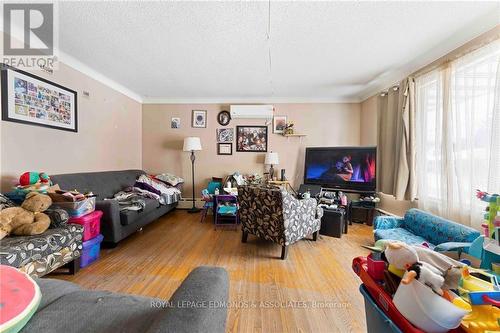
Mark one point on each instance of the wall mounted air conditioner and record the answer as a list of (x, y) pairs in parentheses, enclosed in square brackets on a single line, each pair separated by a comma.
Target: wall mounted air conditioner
[(252, 111)]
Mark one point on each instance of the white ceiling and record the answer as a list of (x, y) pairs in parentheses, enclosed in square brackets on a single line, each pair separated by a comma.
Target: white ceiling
[(219, 51)]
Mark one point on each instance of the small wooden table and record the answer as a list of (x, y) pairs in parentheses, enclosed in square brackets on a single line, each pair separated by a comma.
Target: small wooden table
[(285, 184)]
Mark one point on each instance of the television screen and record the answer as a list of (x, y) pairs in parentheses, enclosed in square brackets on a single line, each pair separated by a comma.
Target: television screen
[(349, 168)]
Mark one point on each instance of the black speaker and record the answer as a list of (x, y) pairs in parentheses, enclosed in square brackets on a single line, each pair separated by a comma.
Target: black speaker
[(313, 189), (283, 178), (332, 222)]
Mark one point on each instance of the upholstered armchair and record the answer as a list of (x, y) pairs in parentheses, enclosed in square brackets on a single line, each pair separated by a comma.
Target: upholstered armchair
[(274, 214)]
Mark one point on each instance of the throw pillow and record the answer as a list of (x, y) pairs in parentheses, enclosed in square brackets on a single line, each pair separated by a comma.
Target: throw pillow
[(58, 217), (20, 299)]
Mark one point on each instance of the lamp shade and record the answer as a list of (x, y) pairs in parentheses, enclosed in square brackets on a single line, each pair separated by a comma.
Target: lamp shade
[(192, 143), (272, 158)]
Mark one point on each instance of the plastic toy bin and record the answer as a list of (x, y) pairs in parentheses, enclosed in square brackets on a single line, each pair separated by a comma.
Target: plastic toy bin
[(90, 252), (376, 320), (77, 208), (91, 224)]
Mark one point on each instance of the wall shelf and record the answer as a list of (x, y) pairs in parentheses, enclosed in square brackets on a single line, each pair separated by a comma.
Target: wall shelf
[(292, 135)]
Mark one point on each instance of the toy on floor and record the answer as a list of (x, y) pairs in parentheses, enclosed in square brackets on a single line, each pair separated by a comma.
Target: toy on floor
[(404, 257), (492, 211), (482, 291), (28, 219), (426, 274)]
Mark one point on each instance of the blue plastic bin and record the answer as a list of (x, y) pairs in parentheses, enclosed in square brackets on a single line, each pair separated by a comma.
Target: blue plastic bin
[(376, 320), (90, 252)]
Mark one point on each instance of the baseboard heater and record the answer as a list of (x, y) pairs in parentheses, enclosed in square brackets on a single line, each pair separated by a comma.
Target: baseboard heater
[(186, 203)]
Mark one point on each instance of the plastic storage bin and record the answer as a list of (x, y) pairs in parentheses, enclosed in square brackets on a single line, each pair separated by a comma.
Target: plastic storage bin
[(91, 224), (384, 300), (376, 320), (90, 252), (78, 208)]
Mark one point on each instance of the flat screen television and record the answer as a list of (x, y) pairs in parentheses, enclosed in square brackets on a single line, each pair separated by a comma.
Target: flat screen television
[(347, 168)]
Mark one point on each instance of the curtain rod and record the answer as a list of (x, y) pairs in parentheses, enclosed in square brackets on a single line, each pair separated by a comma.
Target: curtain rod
[(474, 44)]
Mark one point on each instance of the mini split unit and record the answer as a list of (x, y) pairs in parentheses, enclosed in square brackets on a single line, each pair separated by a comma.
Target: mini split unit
[(252, 112)]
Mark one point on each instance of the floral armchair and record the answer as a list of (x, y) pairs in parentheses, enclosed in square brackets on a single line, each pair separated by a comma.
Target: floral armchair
[(274, 214)]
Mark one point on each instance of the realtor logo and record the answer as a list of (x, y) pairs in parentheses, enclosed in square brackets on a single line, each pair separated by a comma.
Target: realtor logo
[(29, 35), (37, 22)]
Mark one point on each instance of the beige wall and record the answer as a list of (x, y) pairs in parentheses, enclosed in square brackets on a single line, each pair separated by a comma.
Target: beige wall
[(369, 122), (324, 124), (108, 138)]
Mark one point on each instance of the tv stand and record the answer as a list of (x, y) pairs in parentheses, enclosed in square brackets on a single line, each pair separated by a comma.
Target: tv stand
[(331, 195)]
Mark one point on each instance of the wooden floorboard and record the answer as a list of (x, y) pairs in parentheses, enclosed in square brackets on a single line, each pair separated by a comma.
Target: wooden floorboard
[(154, 262)]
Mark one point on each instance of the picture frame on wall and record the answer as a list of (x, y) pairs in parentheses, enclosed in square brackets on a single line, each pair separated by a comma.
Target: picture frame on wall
[(199, 118), (224, 149), (225, 134), (279, 124), (32, 100), (175, 122), (251, 139)]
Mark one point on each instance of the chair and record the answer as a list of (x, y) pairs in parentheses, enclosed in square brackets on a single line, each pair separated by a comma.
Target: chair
[(208, 196), (274, 214), (209, 204)]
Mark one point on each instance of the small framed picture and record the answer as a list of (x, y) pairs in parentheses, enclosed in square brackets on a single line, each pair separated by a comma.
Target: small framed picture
[(225, 134), (224, 149), (199, 118), (175, 122), (279, 124)]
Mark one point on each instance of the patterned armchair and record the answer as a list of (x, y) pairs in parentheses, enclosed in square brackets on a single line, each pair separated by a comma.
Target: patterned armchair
[(274, 214)]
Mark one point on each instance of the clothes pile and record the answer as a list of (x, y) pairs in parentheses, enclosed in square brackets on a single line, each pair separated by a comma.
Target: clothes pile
[(151, 187), (130, 200)]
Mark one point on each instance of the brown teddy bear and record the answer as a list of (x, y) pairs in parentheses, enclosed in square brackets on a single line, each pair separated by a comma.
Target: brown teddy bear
[(27, 219)]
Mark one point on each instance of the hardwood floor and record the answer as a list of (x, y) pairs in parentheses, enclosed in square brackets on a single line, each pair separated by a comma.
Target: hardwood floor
[(314, 290)]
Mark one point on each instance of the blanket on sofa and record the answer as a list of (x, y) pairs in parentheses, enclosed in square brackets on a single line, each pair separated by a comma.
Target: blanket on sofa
[(130, 200), (167, 194)]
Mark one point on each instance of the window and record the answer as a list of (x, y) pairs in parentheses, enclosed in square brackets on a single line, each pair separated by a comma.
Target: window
[(458, 138)]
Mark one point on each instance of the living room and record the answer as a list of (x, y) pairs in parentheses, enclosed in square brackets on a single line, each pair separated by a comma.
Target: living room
[(267, 166)]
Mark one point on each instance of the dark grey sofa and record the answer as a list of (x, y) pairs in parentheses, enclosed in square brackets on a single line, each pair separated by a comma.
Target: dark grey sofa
[(198, 305), (115, 225)]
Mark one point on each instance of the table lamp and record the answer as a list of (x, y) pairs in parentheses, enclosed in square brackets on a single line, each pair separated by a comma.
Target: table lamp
[(191, 144), (271, 159)]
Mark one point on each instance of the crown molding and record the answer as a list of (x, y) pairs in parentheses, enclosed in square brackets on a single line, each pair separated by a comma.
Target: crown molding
[(92, 73), (245, 100), (85, 69), (392, 77)]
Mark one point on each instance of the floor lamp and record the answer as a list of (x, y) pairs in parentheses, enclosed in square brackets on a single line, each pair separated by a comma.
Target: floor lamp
[(191, 144)]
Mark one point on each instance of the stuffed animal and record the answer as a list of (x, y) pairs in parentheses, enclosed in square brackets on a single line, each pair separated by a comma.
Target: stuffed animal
[(404, 257), (400, 255), (30, 178), (28, 219), (426, 274)]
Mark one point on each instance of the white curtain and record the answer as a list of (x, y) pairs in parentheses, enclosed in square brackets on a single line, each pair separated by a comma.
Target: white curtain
[(458, 135)]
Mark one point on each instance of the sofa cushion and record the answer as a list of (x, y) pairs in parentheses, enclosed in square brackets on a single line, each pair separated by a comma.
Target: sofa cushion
[(18, 251), (128, 217), (94, 311), (436, 229), (401, 234)]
